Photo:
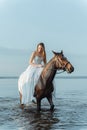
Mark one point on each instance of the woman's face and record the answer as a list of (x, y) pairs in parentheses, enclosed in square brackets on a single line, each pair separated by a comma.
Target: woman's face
[(40, 48)]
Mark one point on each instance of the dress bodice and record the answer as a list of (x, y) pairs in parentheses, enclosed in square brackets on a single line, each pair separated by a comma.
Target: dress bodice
[(38, 60)]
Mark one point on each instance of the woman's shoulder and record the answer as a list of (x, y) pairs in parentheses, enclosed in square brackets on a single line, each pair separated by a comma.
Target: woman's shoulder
[(34, 53)]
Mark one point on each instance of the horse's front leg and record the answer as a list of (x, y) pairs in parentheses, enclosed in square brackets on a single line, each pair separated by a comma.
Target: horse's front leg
[(38, 104), (49, 97)]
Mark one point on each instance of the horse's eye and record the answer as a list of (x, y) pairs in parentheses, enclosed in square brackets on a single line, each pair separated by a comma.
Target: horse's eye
[(62, 58)]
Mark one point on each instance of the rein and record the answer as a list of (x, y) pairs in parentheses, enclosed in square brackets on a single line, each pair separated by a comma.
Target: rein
[(57, 72), (62, 70)]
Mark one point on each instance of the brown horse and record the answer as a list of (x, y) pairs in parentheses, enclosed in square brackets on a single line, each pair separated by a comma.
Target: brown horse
[(44, 86)]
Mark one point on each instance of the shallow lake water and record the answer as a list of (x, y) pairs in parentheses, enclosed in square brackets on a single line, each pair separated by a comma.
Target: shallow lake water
[(70, 111)]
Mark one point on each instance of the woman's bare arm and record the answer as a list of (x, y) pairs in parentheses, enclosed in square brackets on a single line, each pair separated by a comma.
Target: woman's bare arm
[(31, 60)]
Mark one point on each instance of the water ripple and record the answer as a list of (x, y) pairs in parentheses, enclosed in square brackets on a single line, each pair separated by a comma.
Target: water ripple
[(68, 115)]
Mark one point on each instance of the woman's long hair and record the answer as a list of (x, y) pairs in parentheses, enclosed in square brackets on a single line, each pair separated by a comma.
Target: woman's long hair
[(44, 52)]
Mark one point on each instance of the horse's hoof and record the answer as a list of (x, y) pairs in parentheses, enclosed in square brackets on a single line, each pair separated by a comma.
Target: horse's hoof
[(52, 108), (22, 106)]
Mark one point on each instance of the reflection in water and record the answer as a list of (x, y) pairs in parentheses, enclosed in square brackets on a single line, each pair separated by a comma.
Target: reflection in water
[(12, 116), (31, 119), (69, 114)]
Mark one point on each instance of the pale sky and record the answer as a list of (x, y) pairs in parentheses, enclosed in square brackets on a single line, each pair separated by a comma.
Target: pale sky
[(60, 24)]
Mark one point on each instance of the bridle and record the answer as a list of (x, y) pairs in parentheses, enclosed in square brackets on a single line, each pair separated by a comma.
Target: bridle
[(64, 67)]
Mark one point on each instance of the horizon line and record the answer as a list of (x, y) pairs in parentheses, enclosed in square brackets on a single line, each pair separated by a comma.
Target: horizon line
[(60, 77)]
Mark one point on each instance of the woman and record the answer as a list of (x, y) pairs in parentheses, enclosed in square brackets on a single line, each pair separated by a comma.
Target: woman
[(29, 77)]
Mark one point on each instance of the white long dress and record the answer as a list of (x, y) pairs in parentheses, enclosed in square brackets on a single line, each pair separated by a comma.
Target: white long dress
[(28, 80)]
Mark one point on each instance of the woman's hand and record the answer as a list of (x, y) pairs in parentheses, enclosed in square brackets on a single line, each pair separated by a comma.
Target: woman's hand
[(39, 65)]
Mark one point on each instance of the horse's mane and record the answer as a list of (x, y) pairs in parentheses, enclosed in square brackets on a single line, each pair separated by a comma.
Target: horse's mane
[(48, 66)]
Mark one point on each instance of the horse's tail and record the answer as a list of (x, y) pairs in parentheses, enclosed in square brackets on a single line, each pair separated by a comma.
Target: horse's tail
[(34, 94)]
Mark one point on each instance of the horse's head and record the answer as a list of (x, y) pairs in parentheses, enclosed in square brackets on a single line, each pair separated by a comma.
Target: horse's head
[(62, 63)]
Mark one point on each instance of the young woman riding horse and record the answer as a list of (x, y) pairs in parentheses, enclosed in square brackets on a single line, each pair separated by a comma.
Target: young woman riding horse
[(44, 86)]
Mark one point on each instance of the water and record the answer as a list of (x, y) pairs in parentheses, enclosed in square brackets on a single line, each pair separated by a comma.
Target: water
[(70, 107)]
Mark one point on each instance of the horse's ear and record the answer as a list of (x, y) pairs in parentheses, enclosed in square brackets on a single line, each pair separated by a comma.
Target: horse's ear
[(55, 53), (62, 52)]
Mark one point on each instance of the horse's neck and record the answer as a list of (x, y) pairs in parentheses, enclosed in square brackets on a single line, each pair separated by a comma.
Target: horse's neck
[(49, 71)]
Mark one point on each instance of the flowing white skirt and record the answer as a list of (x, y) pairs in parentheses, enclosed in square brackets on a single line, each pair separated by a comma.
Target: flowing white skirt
[(27, 82)]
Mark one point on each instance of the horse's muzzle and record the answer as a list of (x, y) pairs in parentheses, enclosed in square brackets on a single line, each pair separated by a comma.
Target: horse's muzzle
[(71, 69)]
